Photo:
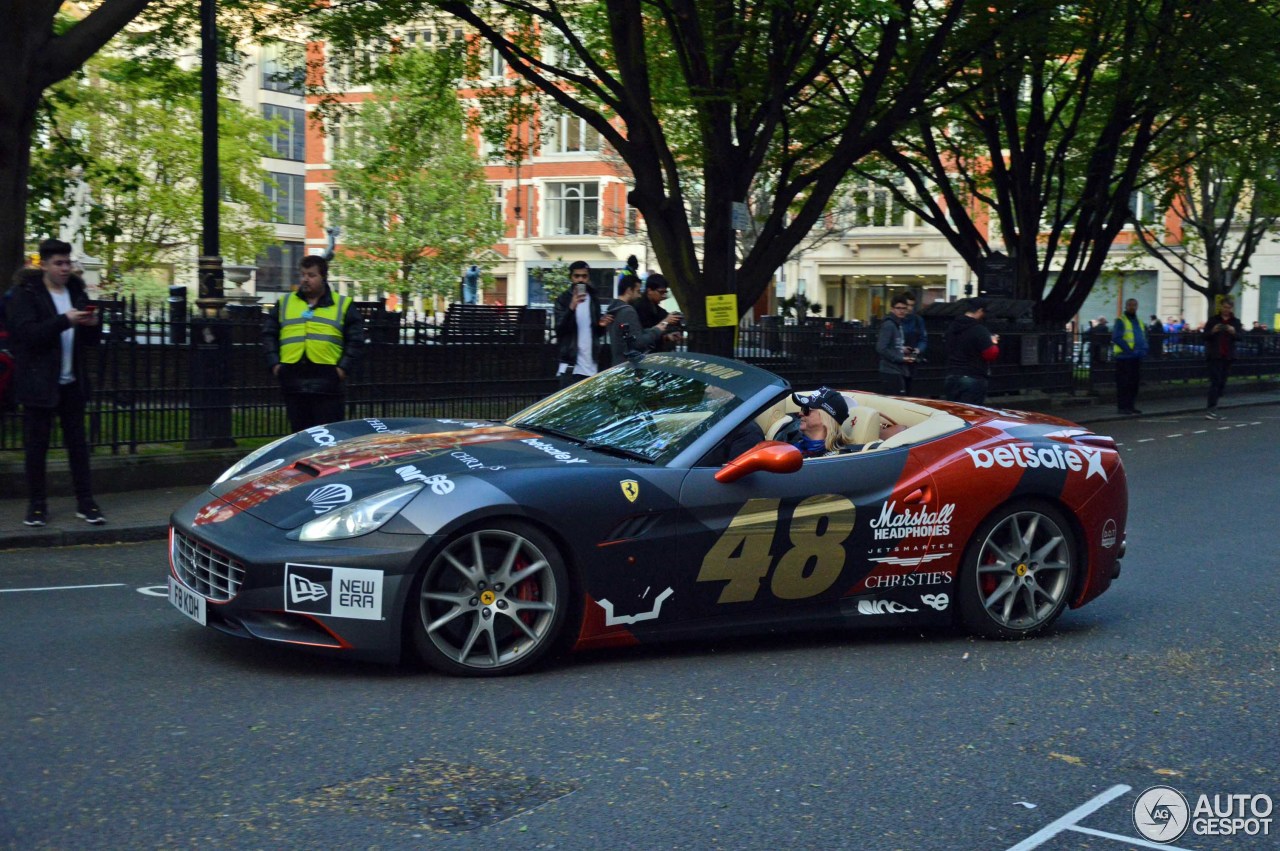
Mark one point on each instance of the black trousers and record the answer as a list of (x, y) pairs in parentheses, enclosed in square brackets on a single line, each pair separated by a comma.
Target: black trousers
[(37, 429), (1127, 374), (1218, 369), (312, 409), (892, 384), (966, 389)]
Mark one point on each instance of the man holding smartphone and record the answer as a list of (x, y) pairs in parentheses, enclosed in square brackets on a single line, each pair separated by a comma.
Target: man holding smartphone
[(51, 324), (581, 327)]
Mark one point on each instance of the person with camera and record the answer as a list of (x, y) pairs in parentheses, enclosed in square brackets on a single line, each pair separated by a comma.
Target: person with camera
[(915, 336), (627, 334), (649, 307), (895, 359), (52, 324), (1220, 335), (581, 327)]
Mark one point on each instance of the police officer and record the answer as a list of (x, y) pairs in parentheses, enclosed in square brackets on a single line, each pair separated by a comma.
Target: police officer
[(312, 338)]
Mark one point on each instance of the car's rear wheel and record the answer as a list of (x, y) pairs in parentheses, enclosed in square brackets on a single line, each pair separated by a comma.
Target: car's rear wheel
[(1018, 572), (493, 601)]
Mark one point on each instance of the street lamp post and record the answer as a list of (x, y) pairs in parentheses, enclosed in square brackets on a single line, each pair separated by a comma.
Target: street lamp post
[(210, 265), (210, 353)]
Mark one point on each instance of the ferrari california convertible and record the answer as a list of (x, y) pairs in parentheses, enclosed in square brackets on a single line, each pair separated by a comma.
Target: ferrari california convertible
[(614, 513)]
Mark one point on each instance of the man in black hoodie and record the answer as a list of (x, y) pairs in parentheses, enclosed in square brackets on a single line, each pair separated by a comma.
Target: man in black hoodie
[(970, 350), (51, 324)]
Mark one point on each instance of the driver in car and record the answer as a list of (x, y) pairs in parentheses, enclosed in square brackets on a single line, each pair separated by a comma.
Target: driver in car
[(817, 432)]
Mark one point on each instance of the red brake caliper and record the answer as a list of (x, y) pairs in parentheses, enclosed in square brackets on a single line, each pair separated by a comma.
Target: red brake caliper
[(527, 590)]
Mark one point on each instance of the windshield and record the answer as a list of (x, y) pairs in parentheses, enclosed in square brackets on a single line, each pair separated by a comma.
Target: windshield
[(650, 414)]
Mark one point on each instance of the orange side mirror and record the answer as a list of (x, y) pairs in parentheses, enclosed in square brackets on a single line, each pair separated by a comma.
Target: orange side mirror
[(769, 456)]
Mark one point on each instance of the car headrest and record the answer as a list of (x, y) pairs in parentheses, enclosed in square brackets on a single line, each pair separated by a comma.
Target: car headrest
[(771, 433), (862, 427)]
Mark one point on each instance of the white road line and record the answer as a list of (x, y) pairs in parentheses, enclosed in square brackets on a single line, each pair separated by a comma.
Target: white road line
[(1179, 434), (1202, 431), (1052, 829), (1223, 428), (1146, 440), (61, 588), (1118, 837)]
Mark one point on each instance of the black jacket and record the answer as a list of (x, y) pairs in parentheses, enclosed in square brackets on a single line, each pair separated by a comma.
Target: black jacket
[(567, 327), (35, 338), (1220, 345), (967, 339)]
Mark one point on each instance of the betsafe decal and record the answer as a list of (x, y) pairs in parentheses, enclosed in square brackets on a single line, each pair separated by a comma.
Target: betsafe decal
[(1071, 458)]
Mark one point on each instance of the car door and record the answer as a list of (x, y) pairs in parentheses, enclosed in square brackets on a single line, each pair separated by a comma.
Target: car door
[(793, 546)]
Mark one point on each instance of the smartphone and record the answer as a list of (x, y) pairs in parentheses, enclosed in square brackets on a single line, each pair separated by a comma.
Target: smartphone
[(579, 289), (90, 308)]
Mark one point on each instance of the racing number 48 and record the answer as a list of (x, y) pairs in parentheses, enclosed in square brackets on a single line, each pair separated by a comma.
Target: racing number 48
[(741, 556)]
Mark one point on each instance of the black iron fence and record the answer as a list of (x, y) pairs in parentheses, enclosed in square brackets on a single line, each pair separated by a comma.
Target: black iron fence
[(167, 376)]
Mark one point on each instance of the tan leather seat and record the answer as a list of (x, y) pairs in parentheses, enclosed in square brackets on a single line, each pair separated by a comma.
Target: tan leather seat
[(862, 427), (771, 433)]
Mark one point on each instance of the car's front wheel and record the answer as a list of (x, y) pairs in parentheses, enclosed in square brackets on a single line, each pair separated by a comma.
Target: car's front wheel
[(493, 601), (1018, 572)]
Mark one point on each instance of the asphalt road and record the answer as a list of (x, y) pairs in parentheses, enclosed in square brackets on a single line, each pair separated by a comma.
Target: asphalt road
[(124, 725)]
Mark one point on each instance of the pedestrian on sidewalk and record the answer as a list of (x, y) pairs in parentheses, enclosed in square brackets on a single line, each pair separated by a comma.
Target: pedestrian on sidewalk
[(312, 339), (582, 327), (915, 336), (51, 325), (891, 346), (1128, 348), (1220, 335), (971, 348)]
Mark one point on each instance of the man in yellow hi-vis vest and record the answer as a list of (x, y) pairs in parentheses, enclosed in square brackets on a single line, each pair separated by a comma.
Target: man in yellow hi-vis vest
[(312, 338), (1128, 348)]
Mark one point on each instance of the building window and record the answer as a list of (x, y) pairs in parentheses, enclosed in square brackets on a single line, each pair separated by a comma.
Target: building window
[(288, 138), (1143, 208), (572, 135), (875, 207), (277, 266), (573, 209), (499, 202), (286, 194), (283, 69), (497, 65)]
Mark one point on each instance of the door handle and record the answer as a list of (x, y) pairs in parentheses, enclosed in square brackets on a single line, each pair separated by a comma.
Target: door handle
[(919, 496)]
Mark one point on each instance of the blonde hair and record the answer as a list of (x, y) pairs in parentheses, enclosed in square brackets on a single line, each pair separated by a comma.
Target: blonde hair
[(835, 440)]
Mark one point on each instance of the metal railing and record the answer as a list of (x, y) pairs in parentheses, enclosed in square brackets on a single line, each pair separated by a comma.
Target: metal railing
[(158, 377)]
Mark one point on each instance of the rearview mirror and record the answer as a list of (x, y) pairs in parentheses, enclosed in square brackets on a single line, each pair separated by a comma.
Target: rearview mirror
[(770, 456)]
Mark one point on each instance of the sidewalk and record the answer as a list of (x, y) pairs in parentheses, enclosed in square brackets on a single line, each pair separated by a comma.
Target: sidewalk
[(143, 515)]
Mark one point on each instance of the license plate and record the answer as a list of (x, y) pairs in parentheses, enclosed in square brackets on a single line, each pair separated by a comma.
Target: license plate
[(186, 601)]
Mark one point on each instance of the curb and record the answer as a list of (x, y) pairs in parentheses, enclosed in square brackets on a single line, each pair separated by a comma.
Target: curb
[(84, 537)]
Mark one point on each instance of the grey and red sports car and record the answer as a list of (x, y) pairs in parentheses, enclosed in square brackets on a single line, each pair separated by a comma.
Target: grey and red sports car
[(622, 511)]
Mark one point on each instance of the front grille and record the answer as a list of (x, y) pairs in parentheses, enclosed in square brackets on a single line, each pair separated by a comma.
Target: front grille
[(205, 570)]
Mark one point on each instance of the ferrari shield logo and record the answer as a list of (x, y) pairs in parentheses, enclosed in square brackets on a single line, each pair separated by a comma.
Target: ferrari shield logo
[(630, 489)]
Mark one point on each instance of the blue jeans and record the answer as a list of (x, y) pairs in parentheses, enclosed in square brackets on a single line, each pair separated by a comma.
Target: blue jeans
[(966, 389)]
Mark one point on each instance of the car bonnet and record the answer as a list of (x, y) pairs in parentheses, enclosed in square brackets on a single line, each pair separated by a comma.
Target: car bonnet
[(288, 491)]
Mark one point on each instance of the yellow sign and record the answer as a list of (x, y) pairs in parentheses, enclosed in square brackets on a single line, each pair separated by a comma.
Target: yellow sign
[(630, 489), (722, 310)]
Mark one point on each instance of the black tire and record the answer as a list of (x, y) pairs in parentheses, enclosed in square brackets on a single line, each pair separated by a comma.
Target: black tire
[(1019, 571), (468, 618)]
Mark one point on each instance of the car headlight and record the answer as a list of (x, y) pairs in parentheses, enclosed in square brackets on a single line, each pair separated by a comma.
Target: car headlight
[(247, 461), (360, 517)]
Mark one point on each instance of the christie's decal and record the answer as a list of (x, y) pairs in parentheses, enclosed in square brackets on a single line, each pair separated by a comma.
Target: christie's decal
[(1073, 458), (919, 524), (340, 592), (910, 580), (474, 463)]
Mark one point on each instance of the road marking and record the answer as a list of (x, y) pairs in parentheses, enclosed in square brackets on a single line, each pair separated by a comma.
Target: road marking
[(1069, 822), (1052, 829), (61, 588), (1146, 440), (1118, 837), (1203, 431), (1179, 434)]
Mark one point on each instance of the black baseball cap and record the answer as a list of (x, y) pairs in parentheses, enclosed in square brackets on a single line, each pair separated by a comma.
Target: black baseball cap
[(828, 400)]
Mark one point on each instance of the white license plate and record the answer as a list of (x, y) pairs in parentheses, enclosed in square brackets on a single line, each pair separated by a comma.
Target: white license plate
[(186, 601)]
